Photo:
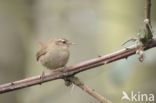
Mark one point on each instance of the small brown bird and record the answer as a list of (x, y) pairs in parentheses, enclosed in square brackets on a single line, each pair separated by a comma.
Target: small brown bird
[(53, 54)]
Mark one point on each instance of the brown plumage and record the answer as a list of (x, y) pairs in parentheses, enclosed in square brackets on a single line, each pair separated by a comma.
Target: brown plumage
[(42, 50), (54, 53)]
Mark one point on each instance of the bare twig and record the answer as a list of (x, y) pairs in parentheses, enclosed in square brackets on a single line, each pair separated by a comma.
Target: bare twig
[(148, 19), (72, 70), (148, 10), (91, 92), (94, 94)]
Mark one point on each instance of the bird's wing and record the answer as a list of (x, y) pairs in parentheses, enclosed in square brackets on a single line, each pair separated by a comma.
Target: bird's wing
[(41, 52)]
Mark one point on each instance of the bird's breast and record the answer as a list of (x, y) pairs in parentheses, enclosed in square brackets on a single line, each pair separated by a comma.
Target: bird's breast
[(55, 59)]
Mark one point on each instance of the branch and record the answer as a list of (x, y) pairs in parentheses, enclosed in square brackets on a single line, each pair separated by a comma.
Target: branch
[(148, 10), (148, 19), (72, 70), (94, 94), (84, 87)]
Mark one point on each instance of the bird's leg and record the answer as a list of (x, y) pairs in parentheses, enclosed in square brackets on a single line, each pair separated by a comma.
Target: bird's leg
[(42, 75), (63, 69)]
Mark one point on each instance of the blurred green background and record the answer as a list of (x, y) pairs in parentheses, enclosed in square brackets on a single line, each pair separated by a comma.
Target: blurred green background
[(98, 26)]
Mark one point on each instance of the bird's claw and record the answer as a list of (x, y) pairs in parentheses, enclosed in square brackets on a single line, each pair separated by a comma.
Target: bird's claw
[(42, 76)]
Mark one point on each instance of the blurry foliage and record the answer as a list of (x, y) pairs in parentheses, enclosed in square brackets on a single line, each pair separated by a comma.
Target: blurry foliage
[(98, 26)]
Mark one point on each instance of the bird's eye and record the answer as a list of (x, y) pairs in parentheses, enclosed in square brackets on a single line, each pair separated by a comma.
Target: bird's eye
[(64, 42)]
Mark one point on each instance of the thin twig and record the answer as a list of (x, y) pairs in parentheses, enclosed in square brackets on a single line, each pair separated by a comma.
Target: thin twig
[(94, 94), (148, 10), (72, 70), (148, 19), (90, 91)]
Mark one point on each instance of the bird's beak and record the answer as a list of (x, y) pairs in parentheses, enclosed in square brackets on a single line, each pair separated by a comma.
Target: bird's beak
[(74, 44), (70, 43)]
